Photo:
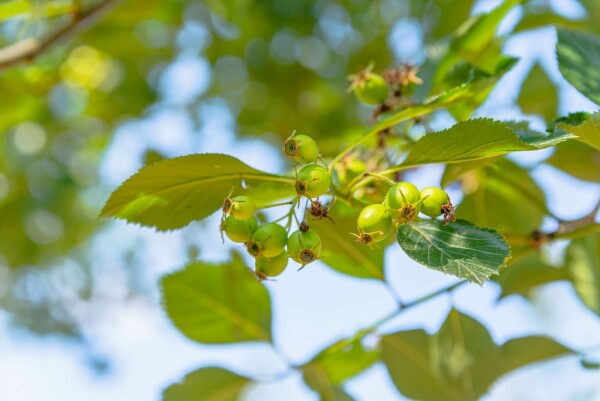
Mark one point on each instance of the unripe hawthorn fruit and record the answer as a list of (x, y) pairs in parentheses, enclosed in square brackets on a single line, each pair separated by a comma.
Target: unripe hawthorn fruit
[(268, 240), (370, 88), (374, 224), (313, 181), (301, 148), (348, 169), (271, 267), (433, 201), (304, 246), (242, 207), (239, 230), (403, 199)]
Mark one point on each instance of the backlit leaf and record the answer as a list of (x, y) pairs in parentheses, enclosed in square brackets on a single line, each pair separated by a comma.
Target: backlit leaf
[(583, 263), (218, 304), (172, 193), (207, 384)]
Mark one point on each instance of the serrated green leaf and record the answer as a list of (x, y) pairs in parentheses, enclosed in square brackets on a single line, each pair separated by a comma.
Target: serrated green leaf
[(583, 263), (577, 159), (524, 351), (492, 193), (475, 139), (340, 250), (460, 362), (585, 126), (526, 273), (170, 194), (217, 304), (207, 384), (343, 360), (578, 55), (460, 248), (538, 94)]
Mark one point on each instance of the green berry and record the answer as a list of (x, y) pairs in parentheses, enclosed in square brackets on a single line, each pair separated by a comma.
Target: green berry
[(374, 224), (240, 230), (313, 181), (271, 267), (301, 148), (268, 240), (370, 88), (433, 201), (304, 246), (403, 199), (242, 207), (401, 194)]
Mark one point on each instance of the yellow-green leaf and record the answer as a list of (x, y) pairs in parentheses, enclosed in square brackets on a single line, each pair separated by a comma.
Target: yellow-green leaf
[(218, 304), (207, 384)]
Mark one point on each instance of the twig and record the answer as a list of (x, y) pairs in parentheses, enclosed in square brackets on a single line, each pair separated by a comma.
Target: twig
[(28, 49)]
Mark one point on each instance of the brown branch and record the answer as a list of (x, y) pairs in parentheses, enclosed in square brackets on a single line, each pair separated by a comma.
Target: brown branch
[(27, 50)]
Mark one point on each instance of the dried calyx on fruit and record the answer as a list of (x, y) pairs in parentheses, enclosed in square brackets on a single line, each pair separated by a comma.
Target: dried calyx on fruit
[(374, 224), (242, 207), (301, 148), (369, 88), (312, 181), (268, 240), (304, 246), (404, 201), (436, 202)]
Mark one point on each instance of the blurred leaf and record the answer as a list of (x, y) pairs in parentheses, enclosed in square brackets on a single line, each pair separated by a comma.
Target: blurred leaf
[(342, 360), (475, 139), (340, 250), (207, 384), (583, 263), (527, 273), (170, 194), (538, 94), (585, 126), (589, 364), (217, 304), (316, 379), (520, 352), (474, 40), (578, 55), (460, 248), (503, 196), (451, 14), (577, 159), (460, 362), (453, 172)]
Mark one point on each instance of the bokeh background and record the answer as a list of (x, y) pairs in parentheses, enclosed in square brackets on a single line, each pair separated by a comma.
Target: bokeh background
[(80, 313)]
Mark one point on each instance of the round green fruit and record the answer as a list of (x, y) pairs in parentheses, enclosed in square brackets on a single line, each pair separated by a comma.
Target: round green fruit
[(301, 148), (304, 246), (313, 181), (371, 88), (242, 207), (374, 224), (433, 200), (401, 194), (240, 230), (271, 267), (268, 240)]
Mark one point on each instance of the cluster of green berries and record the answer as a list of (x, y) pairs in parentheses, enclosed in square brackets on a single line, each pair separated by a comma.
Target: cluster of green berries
[(312, 180), (268, 243), (401, 205)]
